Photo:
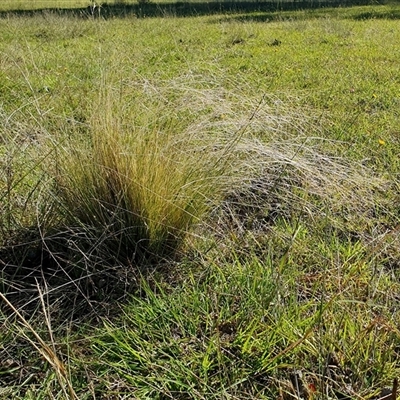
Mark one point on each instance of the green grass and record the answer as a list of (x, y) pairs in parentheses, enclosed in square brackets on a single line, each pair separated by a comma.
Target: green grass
[(254, 157), (43, 4), (242, 329)]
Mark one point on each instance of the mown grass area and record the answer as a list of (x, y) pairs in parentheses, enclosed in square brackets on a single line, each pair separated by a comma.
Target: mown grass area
[(200, 208)]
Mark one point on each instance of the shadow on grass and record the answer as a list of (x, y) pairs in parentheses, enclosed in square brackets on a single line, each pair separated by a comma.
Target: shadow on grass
[(377, 14), (80, 282), (270, 16), (190, 9)]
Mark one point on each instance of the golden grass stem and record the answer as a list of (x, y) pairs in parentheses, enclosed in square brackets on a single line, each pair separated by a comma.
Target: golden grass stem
[(47, 352)]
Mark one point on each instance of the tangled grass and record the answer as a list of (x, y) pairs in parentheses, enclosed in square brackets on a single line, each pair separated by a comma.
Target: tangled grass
[(132, 185)]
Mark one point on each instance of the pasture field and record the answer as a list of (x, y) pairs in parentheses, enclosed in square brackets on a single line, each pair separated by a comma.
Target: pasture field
[(7, 5), (199, 206)]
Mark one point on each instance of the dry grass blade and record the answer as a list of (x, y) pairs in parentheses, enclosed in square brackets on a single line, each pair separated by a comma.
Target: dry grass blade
[(47, 352)]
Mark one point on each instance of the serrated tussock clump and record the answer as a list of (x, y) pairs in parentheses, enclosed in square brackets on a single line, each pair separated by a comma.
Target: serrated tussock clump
[(140, 189), (142, 175), (141, 186)]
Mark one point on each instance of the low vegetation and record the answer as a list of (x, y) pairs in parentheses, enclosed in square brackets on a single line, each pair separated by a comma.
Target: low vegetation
[(200, 208)]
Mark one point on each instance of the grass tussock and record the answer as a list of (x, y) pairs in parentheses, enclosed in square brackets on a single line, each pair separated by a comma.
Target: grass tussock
[(141, 189)]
